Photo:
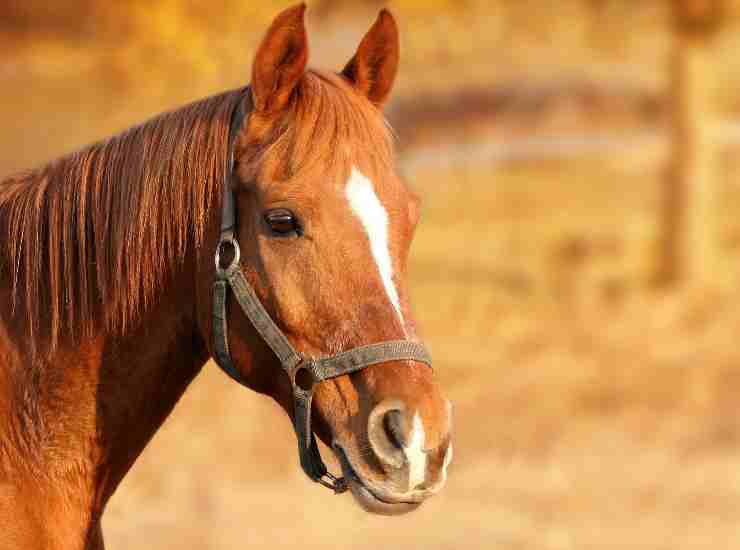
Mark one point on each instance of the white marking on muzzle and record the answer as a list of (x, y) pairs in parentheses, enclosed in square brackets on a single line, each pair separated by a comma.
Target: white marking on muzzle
[(448, 459), (368, 208), (417, 458), (448, 453)]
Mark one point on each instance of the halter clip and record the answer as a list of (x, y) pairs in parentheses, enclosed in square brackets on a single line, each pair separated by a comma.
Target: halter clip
[(336, 484)]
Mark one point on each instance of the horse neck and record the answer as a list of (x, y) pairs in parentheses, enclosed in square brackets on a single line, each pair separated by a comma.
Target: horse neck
[(142, 377), (97, 403)]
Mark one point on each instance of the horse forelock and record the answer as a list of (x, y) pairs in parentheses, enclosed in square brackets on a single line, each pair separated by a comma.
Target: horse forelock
[(331, 128)]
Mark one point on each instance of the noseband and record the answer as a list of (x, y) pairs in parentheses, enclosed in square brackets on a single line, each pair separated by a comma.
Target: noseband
[(304, 372)]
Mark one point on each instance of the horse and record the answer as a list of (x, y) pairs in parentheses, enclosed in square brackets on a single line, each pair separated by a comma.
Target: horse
[(111, 302)]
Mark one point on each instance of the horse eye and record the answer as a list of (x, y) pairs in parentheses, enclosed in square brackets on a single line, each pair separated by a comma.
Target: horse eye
[(281, 221)]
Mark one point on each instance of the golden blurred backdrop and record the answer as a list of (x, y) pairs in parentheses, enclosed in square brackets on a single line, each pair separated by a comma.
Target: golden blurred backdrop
[(575, 272)]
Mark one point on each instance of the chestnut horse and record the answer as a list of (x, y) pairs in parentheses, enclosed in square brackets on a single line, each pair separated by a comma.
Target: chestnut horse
[(107, 288)]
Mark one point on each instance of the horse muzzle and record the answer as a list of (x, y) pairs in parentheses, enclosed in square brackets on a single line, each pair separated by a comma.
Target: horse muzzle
[(396, 472)]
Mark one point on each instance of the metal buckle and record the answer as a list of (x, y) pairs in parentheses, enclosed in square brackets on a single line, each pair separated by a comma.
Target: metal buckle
[(222, 272), (336, 484)]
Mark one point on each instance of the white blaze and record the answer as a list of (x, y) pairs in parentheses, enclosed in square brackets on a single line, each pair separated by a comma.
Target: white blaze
[(448, 453), (366, 206), (447, 460), (415, 453)]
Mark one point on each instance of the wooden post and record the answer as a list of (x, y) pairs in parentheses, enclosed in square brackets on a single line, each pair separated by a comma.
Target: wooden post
[(689, 246)]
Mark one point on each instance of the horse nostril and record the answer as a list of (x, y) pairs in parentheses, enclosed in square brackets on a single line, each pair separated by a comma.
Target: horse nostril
[(386, 433), (393, 425)]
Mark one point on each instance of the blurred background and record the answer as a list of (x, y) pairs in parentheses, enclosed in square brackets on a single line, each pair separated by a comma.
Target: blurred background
[(575, 273)]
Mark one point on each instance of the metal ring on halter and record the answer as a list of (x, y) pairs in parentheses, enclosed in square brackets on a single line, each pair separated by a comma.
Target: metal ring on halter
[(303, 375), (223, 271)]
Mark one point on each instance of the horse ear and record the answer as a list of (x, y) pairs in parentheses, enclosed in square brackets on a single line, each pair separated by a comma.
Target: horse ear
[(373, 68), (280, 61)]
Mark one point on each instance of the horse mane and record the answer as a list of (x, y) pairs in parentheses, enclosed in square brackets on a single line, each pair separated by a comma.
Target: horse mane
[(90, 239), (95, 233)]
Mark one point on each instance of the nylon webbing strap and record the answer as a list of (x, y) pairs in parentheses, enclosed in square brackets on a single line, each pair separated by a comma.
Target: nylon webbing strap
[(366, 356), (308, 449), (221, 331), (262, 321)]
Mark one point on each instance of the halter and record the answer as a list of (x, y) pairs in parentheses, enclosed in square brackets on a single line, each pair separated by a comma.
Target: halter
[(304, 372)]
